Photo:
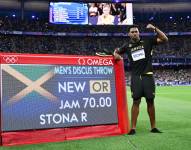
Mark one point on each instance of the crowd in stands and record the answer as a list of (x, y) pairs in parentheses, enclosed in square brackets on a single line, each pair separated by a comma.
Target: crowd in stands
[(179, 46), (176, 47), (168, 77), (173, 77), (181, 24)]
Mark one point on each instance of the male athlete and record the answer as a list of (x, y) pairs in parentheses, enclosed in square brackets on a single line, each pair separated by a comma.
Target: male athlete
[(139, 53)]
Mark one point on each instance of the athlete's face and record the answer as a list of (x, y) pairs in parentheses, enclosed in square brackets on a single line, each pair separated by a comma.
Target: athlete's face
[(106, 10), (134, 34)]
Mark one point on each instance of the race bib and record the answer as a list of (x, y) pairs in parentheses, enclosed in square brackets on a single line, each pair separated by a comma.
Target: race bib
[(137, 55)]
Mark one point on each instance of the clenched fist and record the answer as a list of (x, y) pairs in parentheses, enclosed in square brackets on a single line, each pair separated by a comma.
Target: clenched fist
[(150, 26)]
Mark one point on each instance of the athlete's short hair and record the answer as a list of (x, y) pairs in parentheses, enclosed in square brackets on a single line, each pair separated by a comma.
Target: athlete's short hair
[(132, 26)]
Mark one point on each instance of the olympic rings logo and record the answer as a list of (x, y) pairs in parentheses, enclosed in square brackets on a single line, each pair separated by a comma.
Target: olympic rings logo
[(10, 59)]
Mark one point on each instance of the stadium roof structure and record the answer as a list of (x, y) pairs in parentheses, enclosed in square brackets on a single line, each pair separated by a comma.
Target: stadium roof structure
[(139, 5)]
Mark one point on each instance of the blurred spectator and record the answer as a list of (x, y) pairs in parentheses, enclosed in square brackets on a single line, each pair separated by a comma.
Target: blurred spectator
[(93, 10), (106, 18)]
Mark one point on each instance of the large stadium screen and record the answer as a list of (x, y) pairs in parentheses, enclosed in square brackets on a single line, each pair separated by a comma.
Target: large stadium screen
[(91, 13), (68, 13), (110, 14)]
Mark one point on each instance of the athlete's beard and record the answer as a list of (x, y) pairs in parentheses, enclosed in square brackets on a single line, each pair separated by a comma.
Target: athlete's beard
[(134, 40)]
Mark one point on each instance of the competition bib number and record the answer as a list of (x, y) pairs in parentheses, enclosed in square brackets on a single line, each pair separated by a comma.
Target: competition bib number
[(137, 55)]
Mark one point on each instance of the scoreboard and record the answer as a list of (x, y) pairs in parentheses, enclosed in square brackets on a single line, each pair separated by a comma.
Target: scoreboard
[(46, 98), (75, 96), (68, 13)]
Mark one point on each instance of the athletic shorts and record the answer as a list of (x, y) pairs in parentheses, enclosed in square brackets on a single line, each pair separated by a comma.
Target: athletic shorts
[(143, 86)]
